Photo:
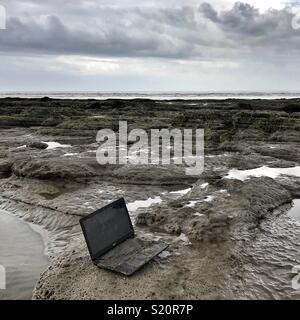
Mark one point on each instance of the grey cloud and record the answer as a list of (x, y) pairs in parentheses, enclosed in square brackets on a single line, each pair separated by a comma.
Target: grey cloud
[(113, 32), (247, 20), (244, 25), (209, 12), (147, 32)]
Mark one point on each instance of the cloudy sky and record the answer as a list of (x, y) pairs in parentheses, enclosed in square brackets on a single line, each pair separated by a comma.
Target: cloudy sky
[(123, 45)]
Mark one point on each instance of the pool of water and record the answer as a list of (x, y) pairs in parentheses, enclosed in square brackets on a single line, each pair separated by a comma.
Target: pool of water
[(295, 210), (22, 255), (133, 206), (263, 172), (55, 145)]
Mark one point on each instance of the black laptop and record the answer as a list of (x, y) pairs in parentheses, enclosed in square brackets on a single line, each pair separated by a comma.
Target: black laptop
[(110, 238)]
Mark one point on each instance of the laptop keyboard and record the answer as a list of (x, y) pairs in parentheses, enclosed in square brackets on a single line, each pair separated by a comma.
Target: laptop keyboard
[(122, 252), (130, 255)]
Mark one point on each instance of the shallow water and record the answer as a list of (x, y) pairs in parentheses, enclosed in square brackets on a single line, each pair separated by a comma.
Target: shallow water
[(263, 172), (295, 210), (132, 206), (181, 192), (55, 145), (22, 255)]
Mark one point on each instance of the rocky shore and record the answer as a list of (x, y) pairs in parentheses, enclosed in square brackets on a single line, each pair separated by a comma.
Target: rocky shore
[(229, 237)]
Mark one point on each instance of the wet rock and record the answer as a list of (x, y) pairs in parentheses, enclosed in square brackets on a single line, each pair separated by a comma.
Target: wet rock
[(3, 153), (161, 175), (287, 135), (293, 185), (251, 134), (246, 162), (288, 152), (5, 168), (56, 168), (37, 145), (209, 176), (45, 99), (264, 195), (5, 165), (231, 202)]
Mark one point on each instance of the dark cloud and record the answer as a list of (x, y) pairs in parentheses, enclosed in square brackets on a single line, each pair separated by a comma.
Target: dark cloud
[(112, 32), (248, 21), (87, 28), (209, 12), (54, 37)]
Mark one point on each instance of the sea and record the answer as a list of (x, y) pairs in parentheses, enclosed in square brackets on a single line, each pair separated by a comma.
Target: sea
[(152, 95)]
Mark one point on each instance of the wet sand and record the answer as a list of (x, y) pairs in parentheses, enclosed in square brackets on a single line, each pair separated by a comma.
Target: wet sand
[(22, 254)]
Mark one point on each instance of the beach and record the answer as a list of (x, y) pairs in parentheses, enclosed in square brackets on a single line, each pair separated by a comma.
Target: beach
[(229, 229)]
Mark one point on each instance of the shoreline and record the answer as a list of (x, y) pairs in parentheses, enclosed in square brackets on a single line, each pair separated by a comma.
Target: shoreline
[(37, 228)]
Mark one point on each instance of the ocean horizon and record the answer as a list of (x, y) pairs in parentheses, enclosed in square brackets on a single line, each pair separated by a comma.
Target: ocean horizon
[(163, 95)]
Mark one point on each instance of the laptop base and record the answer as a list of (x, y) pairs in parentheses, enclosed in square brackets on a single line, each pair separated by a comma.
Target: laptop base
[(130, 256)]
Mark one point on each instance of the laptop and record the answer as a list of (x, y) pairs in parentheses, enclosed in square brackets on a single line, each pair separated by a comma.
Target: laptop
[(111, 241)]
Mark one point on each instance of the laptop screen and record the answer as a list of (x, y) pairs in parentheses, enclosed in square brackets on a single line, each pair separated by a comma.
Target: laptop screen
[(106, 228)]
